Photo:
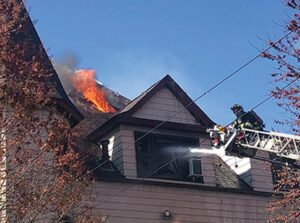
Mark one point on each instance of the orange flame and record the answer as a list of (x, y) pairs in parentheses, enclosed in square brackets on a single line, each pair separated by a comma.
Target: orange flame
[(84, 82)]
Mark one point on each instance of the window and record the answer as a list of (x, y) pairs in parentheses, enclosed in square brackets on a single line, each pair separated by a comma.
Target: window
[(195, 167), (155, 150)]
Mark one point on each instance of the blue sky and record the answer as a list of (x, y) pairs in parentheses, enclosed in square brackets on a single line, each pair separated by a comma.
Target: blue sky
[(134, 43)]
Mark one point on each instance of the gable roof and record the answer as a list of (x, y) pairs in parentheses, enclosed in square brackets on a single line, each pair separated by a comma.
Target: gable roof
[(125, 115), (60, 98), (178, 92)]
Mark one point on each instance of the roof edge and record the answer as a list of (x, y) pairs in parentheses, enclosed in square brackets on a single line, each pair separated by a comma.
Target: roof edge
[(67, 105), (117, 120)]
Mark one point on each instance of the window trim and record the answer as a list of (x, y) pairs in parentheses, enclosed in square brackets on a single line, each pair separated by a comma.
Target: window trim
[(191, 167), (150, 141)]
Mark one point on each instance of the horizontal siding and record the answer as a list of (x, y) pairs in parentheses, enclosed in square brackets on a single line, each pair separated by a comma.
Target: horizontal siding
[(126, 219), (191, 216), (261, 173), (253, 172), (115, 149), (122, 152), (171, 193), (129, 158), (162, 106), (208, 171), (146, 203)]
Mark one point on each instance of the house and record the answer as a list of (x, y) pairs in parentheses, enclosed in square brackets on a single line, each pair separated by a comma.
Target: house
[(135, 185), (135, 178), (25, 163)]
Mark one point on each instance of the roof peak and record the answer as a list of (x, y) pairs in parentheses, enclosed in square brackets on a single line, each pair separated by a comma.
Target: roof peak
[(168, 82)]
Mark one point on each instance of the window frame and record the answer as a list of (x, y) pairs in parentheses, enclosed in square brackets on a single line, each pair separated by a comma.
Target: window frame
[(150, 159)]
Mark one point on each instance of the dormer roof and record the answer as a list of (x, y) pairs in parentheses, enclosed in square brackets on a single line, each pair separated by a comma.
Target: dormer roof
[(130, 114)]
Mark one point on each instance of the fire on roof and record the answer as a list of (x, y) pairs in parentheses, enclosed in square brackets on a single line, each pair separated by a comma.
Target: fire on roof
[(89, 96), (84, 82)]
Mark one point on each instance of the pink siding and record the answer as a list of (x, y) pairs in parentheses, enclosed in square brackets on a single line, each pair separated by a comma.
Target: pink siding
[(261, 173), (146, 203), (162, 106), (128, 152), (122, 151), (115, 149), (208, 170)]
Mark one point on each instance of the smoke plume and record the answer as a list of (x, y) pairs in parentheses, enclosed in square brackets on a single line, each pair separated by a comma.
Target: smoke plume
[(65, 67)]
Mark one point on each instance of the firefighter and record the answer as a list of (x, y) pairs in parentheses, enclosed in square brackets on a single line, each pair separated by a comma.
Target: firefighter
[(249, 120)]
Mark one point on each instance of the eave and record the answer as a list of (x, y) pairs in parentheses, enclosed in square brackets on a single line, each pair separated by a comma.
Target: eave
[(120, 119)]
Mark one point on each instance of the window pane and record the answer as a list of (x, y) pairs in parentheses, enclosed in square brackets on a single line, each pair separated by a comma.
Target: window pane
[(197, 166), (155, 150)]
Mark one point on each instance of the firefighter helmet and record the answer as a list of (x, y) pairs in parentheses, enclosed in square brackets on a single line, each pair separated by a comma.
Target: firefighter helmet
[(235, 108)]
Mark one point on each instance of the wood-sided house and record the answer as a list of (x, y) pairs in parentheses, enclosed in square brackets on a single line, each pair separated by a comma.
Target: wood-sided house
[(161, 168), (137, 183)]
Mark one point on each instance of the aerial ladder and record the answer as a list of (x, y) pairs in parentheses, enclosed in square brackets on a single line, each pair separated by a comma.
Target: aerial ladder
[(245, 142)]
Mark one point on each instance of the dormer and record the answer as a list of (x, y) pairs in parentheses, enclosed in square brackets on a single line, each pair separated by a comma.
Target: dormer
[(139, 151)]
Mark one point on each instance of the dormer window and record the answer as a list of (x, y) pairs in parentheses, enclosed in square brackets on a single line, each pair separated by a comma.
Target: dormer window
[(155, 150), (195, 167)]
